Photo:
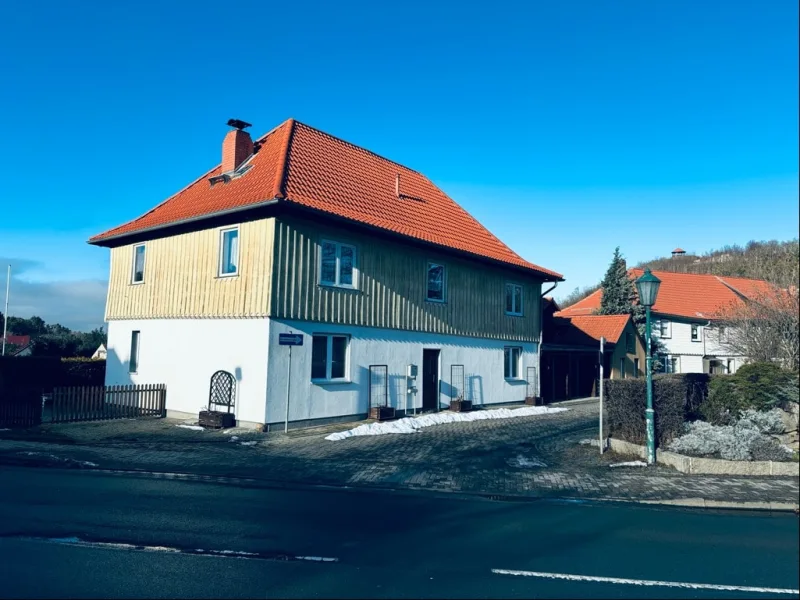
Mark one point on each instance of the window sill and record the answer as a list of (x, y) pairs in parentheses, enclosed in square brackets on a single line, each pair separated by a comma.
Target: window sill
[(514, 379), (137, 282), (227, 275), (432, 301), (511, 314), (344, 288), (330, 381)]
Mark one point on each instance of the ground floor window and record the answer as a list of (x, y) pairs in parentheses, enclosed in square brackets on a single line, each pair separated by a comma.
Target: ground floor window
[(133, 363), (636, 367), (622, 368), (511, 356), (329, 356)]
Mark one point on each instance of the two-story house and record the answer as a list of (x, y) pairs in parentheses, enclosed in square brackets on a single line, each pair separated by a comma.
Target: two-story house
[(393, 288), (688, 318)]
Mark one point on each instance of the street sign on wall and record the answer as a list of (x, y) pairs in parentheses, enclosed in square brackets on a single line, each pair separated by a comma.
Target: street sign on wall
[(290, 339)]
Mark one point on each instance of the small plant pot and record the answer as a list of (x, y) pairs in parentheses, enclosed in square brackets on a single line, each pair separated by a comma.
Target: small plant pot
[(215, 419), (382, 413), (460, 405)]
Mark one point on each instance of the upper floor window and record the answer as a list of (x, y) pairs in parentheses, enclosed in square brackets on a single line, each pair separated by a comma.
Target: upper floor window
[(337, 265), (436, 282), (664, 328), (229, 252), (723, 335), (630, 346), (138, 264), (695, 332), (511, 360), (329, 357), (513, 299)]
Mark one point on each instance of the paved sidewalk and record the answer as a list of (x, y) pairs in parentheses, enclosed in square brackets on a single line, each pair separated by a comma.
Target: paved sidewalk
[(538, 457)]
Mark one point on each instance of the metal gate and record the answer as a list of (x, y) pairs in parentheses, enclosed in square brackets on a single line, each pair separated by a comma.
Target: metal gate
[(378, 386), (457, 382), (222, 392)]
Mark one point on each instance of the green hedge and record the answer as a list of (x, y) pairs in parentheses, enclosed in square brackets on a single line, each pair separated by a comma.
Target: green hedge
[(47, 372), (676, 399), (760, 386)]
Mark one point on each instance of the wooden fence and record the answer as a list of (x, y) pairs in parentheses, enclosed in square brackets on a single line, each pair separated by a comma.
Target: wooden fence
[(20, 407), (98, 403)]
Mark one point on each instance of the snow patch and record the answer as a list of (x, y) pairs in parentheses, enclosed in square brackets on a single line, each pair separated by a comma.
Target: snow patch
[(317, 558), (192, 427), (253, 443), (233, 438), (632, 463), (524, 462), (412, 424)]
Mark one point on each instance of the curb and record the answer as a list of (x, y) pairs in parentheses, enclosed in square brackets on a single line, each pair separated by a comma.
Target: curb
[(277, 484)]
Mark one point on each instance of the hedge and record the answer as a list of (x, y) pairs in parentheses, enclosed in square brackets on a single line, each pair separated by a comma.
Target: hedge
[(676, 399), (47, 372)]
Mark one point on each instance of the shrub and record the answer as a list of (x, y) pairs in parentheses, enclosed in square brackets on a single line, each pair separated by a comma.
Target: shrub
[(742, 441), (675, 398), (46, 372), (83, 371), (769, 421), (758, 386)]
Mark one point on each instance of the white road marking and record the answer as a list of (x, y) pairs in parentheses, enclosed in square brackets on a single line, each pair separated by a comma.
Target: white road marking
[(646, 582)]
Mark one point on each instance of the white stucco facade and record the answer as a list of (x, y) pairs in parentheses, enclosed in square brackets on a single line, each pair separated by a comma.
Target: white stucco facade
[(482, 359), (693, 354), (185, 353)]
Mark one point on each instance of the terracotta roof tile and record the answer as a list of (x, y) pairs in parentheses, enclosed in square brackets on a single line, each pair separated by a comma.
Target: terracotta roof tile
[(686, 295), (300, 165), (597, 326)]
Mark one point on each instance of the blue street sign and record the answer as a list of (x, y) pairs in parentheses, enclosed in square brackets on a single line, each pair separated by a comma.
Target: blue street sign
[(290, 339)]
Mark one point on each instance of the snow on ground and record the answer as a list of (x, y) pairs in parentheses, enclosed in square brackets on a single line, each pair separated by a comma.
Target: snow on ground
[(192, 427), (633, 463), (233, 438), (252, 443), (412, 424), (524, 462)]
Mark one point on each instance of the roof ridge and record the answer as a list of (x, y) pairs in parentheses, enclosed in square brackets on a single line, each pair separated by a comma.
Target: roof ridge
[(357, 147), (279, 191), (697, 274)]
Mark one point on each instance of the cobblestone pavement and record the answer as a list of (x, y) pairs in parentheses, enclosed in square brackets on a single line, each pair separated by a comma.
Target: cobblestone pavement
[(538, 456)]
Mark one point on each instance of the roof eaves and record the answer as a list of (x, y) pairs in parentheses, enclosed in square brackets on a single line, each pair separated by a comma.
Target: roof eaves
[(101, 241)]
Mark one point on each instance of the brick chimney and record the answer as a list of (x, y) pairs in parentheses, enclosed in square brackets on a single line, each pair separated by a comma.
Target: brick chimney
[(236, 147)]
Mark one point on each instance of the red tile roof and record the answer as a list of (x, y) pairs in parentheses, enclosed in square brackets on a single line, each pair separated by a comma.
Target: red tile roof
[(686, 295), (678, 251), (17, 340), (597, 326), (300, 165)]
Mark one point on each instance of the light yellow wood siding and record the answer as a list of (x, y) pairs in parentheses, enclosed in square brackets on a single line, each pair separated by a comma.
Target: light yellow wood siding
[(181, 276), (621, 353), (391, 287)]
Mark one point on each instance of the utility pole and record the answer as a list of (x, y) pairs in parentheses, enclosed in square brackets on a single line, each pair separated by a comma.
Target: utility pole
[(5, 318)]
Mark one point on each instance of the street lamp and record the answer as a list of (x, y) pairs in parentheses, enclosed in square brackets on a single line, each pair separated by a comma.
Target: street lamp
[(647, 286)]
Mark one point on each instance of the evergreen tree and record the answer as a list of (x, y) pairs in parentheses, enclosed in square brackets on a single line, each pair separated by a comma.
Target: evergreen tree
[(617, 290)]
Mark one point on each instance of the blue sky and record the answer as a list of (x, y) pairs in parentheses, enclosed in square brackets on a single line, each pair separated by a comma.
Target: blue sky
[(567, 128)]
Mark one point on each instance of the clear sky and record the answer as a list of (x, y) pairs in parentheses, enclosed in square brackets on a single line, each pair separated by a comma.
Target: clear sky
[(567, 128)]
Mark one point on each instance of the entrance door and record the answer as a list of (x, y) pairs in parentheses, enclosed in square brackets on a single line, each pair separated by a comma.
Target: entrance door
[(430, 380)]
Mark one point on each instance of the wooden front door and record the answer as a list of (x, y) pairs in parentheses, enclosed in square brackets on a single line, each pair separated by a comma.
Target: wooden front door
[(430, 380)]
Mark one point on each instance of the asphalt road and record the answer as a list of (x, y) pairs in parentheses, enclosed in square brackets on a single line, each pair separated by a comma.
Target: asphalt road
[(71, 533)]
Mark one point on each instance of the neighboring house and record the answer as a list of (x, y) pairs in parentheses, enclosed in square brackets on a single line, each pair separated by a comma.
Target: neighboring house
[(100, 353), (687, 318), (379, 271), (18, 345), (571, 352)]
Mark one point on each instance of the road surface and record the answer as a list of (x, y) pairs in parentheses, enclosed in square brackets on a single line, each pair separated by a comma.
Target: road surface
[(85, 533)]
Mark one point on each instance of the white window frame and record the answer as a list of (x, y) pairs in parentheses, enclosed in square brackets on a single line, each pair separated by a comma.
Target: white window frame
[(508, 361), (337, 283), (677, 366), (662, 325), (133, 359), (636, 368), (133, 264), (428, 265), (695, 327), (222, 233), (516, 311), (329, 358)]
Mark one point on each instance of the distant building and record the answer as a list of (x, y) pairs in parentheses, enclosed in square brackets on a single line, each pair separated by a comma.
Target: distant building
[(100, 353), (678, 252)]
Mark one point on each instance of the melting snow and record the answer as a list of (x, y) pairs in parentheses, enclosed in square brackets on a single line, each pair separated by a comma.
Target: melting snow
[(233, 438), (192, 427), (253, 443), (412, 424), (633, 463), (521, 461)]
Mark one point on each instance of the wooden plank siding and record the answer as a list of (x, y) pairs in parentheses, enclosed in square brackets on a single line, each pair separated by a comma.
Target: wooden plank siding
[(391, 287), (181, 276)]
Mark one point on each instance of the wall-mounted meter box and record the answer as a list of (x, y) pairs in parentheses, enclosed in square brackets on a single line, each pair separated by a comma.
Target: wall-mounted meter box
[(412, 371)]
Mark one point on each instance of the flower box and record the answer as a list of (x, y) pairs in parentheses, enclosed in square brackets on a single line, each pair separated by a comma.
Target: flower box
[(216, 419), (460, 405), (382, 413), (534, 401)]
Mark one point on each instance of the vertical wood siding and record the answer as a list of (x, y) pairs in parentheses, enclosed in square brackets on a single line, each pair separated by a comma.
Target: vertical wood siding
[(391, 287), (181, 277)]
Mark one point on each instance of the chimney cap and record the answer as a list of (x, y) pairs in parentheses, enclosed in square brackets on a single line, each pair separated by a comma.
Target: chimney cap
[(238, 124)]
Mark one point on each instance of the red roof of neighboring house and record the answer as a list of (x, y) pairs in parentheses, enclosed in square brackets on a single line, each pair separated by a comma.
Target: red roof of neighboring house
[(607, 326), (678, 251), (686, 295), (300, 165), (17, 340)]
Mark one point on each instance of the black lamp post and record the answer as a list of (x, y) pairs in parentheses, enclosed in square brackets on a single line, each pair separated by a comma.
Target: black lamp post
[(647, 286)]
